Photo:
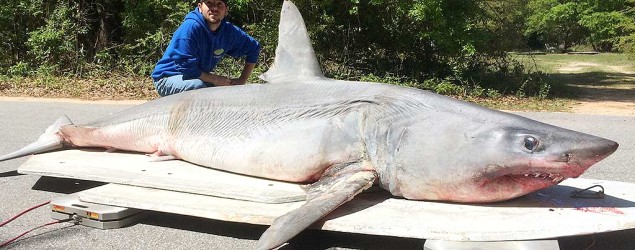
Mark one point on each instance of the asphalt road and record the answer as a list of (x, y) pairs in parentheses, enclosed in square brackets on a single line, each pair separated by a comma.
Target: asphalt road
[(21, 122)]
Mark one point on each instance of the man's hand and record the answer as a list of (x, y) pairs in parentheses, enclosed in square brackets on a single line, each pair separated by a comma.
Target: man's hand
[(224, 81), (238, 81), (221, 81)]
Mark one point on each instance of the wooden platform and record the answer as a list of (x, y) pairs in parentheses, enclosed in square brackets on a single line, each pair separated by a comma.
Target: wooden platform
[(139, 170), (549, 213)]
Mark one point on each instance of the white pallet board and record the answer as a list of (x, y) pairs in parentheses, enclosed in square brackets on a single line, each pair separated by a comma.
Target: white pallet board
[(549, 213), (183, 188), (140, 170)]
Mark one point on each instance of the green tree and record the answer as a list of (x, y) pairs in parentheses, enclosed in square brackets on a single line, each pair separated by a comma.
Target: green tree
[(606, 29), (147, 27), (415, 42), (566, 23), (417, 39), (505, 21), (14, 21), (68, 34), (55, 44), (626, 43), (556, 22)]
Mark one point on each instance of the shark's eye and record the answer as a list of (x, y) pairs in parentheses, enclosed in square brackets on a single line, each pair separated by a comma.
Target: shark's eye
[(531, 143)]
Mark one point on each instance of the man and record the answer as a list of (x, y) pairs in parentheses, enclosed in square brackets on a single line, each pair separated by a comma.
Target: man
[(201, 41)]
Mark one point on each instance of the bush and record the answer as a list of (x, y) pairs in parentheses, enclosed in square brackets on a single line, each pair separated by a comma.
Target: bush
[(20, 69), (448, 46), (54, 45)]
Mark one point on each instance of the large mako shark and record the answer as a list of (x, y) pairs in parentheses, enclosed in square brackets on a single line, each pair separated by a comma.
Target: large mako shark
[(340, 138)]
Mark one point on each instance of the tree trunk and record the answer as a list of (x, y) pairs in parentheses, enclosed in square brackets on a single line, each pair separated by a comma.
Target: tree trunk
[(108, 15)]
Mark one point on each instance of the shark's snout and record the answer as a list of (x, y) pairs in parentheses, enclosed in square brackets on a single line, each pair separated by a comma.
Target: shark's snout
[(599, 150), (608, 147), (592, 152)]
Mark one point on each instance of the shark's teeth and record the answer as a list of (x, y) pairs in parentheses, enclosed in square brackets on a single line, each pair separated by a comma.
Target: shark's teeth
[(552, 176)]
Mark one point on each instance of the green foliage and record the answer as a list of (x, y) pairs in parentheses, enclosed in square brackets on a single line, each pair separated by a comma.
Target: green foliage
[(570, 22), (626, 43), (14, 21), (454, 47), (54, 44), (19, 69), (447, 88), (556, 22), (505, 22), (606, 28), (148, 27)]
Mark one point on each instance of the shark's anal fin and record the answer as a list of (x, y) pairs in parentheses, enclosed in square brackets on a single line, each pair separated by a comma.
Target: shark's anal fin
[(326, 195), (295, 59)]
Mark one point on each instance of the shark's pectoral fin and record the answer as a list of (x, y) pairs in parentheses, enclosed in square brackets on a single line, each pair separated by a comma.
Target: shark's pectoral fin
[(324, 196)]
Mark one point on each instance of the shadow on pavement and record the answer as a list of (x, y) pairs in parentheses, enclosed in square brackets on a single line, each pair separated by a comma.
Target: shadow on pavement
[(593, 86), (64, 185)]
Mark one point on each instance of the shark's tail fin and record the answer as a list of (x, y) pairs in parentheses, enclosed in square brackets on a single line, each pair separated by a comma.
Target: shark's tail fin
[(48, 141), (295, 59)]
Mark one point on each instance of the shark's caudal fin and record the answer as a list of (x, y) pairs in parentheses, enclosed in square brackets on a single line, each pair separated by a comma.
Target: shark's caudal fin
[(48, 141), (295, 59)]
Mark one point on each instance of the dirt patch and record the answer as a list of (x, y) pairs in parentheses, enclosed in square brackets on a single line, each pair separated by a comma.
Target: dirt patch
[(613, 96), (622, 69), (577, 67), (604, 108), (70, 100)]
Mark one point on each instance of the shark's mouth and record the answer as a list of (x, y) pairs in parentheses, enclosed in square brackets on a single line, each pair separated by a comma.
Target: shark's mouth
[(495, 187), (504, 186), (554, 178), (531, 181), (547, 173)]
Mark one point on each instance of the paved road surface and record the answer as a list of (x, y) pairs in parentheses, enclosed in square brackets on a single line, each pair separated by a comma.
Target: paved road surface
[(23, 121)]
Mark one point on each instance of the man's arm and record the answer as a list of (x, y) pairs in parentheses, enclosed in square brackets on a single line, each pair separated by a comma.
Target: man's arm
[(215, 79), (224, 81), (244, 76)]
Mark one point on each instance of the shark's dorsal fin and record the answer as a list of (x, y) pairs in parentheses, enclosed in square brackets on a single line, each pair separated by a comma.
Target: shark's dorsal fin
[(295, 59)]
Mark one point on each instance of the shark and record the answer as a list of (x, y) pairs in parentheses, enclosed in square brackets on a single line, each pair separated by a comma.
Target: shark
[(340, 138)]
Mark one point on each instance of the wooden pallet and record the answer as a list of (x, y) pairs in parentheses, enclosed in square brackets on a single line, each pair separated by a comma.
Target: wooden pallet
[(183, 188)]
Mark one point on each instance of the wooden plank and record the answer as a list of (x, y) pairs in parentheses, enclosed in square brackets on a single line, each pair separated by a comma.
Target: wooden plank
[(197, 191), (139, 170), (548, 213)]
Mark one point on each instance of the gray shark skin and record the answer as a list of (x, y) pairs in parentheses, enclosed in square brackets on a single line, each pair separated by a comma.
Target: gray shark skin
[(341, 137)]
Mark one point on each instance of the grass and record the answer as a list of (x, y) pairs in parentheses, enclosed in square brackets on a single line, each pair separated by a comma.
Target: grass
[(513, 103), (601, 77), (557, 63), (571, 77), (112, 87)]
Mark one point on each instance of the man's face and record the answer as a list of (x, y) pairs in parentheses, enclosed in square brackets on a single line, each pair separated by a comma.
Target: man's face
[(213, 10)]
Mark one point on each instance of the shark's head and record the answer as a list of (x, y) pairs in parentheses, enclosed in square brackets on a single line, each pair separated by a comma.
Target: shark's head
[(437, 148), (488, 156)]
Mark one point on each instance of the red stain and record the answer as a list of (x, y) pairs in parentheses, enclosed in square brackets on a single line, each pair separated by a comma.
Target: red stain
[(600, 210)]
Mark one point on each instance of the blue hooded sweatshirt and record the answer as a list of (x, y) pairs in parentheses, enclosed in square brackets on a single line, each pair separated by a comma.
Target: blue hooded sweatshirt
[(195, 48)]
